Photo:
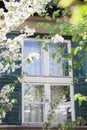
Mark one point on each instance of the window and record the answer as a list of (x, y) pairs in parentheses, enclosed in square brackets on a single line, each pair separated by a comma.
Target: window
[(44, 80)]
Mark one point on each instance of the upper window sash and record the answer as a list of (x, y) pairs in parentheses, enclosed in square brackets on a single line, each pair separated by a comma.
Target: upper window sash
[(46, 65)]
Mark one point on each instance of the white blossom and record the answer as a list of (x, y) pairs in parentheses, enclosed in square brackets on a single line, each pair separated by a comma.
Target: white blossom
[(5, 102), (17, 13), (28, 31), (6, 89), (12, 101), (1, 12), (3, 114), (57, 38), (32, 56)]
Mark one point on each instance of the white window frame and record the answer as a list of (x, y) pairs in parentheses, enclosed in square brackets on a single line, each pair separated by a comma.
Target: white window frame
[(51, 80)]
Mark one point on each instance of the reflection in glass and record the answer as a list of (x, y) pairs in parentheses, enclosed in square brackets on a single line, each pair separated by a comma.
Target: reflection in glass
[(33, 103), (58, 64), (33, 112), (63, 109), (35, 68)]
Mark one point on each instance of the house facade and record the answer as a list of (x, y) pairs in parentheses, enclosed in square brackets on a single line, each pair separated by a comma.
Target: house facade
[(44, 81)]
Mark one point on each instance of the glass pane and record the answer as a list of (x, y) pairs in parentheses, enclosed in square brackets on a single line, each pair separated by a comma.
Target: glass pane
[(34, 68), (58, 64), (63, 109), (55, 68), (33, 112), (33, 103), (35, 93)]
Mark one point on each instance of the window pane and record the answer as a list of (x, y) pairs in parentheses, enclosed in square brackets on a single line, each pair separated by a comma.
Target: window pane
[(33, 103), (35, 93), (58, 64), (63, 109), (35, 68), (55, 68), (33, 112)]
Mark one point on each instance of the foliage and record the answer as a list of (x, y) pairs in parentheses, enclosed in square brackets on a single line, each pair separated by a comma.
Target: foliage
[(18, 12), (53, 105), (80, 98), (74, 26), (80, 121), (15, 14), (5, 102), (77, 10), (77, 34), (48, 124), (69, 125)]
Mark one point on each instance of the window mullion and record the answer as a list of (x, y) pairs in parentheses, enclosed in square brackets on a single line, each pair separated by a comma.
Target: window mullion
[(46, 63), (71, 85), (47, 100)]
